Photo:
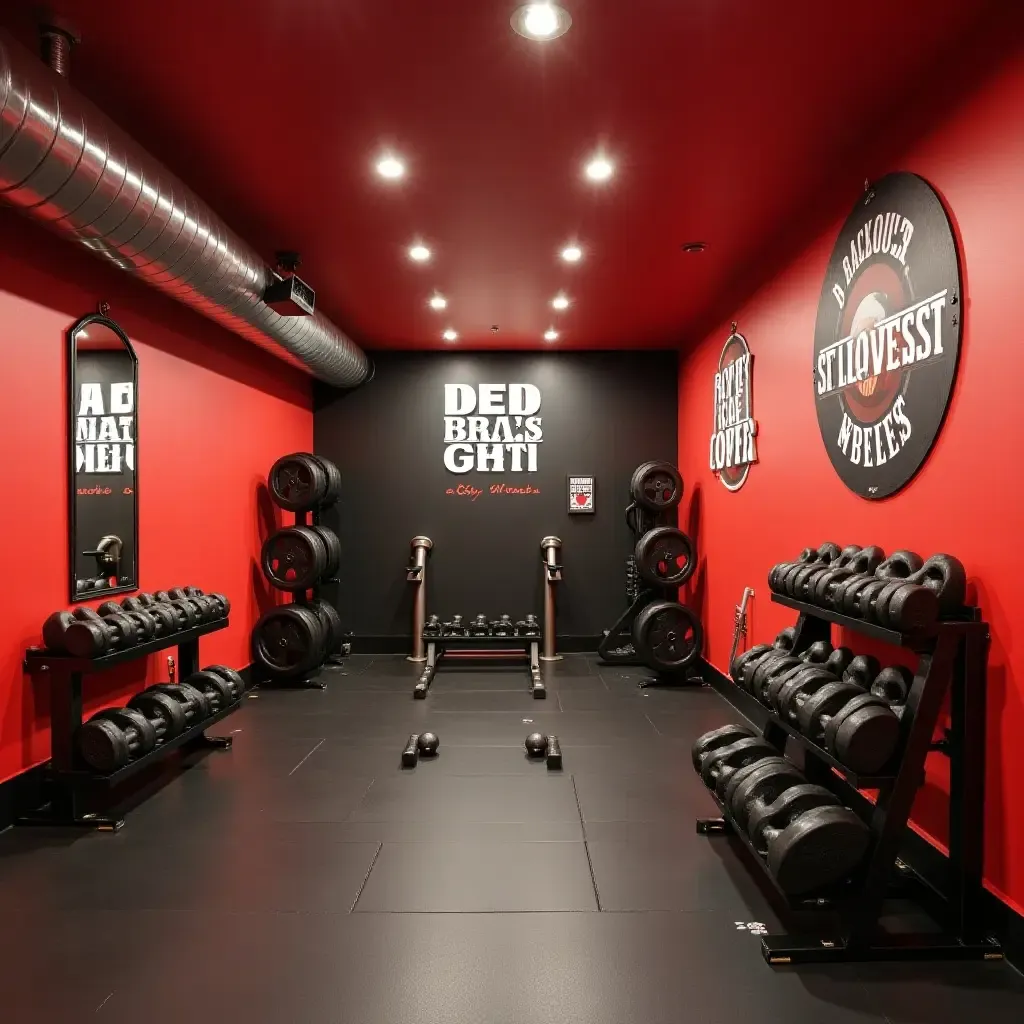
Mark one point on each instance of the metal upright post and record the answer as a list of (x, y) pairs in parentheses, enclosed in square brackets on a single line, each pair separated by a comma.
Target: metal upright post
[(549, 547), (417, 575)]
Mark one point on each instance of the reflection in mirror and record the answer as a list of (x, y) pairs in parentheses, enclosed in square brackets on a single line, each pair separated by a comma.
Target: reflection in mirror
[(103, 505)]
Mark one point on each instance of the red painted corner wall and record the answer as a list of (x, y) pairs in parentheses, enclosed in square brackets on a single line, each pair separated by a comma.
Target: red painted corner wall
[(214, 414), (967, 499)]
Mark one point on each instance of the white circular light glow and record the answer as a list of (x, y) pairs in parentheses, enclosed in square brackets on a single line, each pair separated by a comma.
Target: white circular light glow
[(420, 253), (438, 302), (572, 254), (560, 302), (390, 167), (541, 21), (600, 168), (551, 334), (450, 335)]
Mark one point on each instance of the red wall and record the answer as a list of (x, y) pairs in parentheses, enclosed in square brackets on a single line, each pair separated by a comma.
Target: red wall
[(214, 413), (967, 498)]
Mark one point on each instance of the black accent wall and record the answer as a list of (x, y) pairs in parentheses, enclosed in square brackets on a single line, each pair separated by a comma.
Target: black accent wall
[(601, 414)]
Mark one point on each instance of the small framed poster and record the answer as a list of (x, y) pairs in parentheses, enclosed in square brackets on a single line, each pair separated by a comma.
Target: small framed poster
[(581, 494)]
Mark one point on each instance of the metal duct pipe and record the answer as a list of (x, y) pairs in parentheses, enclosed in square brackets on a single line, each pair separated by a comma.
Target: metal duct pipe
[(70, 167)]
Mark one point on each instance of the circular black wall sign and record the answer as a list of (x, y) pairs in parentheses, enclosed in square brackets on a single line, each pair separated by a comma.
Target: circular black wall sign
[(887, 336)]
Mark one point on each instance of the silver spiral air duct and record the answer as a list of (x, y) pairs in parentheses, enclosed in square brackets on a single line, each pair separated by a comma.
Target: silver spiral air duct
[(70, 167)]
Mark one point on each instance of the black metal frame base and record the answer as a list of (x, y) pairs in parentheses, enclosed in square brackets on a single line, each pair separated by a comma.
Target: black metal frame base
[(779, 950), (468, 647)]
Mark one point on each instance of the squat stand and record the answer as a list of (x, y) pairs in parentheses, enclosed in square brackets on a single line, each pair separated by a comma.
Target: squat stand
[(953, 661)]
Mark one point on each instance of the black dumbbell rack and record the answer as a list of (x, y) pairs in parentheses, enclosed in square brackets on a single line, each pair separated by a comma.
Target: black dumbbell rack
[(303, 597), (846, 926), (489, 648), (75, 791)]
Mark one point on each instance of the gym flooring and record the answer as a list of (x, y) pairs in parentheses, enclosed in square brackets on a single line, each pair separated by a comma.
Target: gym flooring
[(303, 876)]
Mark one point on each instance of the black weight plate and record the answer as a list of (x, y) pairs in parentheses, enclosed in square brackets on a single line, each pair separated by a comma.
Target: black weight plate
[(297, 482), (332, 475), (333, 547), (658, 488), (721, 737), (668, 636), (288, 641), (159, 708), (334, 632), (294, 558), (665, 557), (819, 849)]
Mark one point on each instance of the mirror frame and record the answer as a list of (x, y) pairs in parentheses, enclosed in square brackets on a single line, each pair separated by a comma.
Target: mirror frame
[(71, 349)]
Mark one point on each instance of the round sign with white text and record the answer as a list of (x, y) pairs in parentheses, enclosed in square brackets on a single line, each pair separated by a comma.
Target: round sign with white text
[(887, 335)]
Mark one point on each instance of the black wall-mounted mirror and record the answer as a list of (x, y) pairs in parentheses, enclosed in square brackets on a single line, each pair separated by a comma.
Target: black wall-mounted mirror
[(103, 509)]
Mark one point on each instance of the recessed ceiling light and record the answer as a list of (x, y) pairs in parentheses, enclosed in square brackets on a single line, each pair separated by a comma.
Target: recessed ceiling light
[(419, 252), (551, 334), (693, 246), (572, 254), (450, 335), (541, 21), (560, 302), (600, 168), (438, 302), (390, 167)]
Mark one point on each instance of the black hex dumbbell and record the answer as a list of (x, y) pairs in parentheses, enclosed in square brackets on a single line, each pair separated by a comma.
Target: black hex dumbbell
[(432, 627), (480, 626), (112, 738), (502, 626), (85, 634), (810, 841), (191, 704), (146, 626)]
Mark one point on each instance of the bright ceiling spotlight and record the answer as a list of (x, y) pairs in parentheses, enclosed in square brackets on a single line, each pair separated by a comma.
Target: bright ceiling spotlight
[(560, 302), (600, 168), (572, 254), (438, 302), (541, 21), (450, 335), (390, 167), (551, 334), (419, 252)]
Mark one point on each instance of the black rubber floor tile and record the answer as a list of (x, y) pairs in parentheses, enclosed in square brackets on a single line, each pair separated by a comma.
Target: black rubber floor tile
[(520, 700), (945, 993), (683, 873), (471, 877), (458, 798), (576, 968), (647, 797), (457, 678), (239, 872), (490, 832), (688, 724)]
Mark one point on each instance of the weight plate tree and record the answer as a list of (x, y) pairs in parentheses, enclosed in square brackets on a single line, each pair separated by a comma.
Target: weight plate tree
[(291, 643)]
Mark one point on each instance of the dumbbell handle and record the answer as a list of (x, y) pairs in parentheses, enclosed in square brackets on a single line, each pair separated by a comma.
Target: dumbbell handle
[(411, 753), (553, 752)]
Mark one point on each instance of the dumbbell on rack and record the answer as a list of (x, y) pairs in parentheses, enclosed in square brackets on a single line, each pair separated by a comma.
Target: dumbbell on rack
[(809, 841), (84, 633), (479, 626), (528, 626)]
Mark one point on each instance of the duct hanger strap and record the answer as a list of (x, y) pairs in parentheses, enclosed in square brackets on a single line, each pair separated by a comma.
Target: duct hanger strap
[(69, 167)]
